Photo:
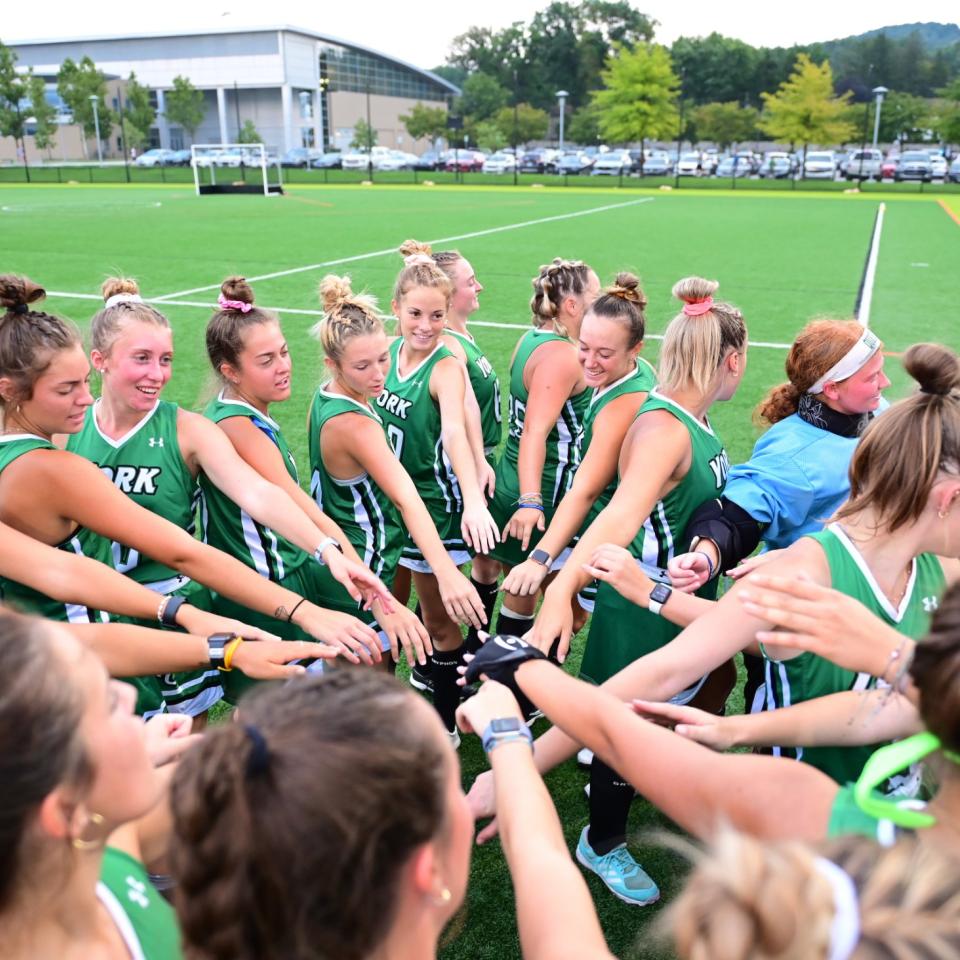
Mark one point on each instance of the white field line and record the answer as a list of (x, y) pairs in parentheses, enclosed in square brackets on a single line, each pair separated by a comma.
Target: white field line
[(866, 300), (319, 313), (393, 250)]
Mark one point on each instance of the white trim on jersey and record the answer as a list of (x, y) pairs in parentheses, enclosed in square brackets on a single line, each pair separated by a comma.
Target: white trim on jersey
[(410, 373), (603, 391), (229, 401), (252, 539), (896, 614), (10, 437), (673, 403), (363, 520), (366, 408), (121, 921), (130, 434)]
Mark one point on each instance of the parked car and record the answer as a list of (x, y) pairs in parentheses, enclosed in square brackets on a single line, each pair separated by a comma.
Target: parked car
[(820, 165), (300, 157), (538, 161), (748, 159), (690, 165), (776, 166), (180, 158), (431, 160), (615, 163), (500, 162), (394, 160), (888, 168), (574, 162), (954, 172), (657, 163), (710, 162), (229, 158), (466, 161), (938, 163), (864, 165), (328, 161), (156, 158), (914, 165), (734, 167)]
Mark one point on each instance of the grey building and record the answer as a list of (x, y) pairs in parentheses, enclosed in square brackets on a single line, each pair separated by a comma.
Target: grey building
[(298, 87)]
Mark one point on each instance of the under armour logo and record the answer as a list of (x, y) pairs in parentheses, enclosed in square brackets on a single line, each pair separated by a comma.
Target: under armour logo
[(930, 604), (156, 441), (137, 892)]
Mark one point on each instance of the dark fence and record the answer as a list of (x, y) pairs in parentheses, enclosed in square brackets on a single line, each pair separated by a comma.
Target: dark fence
[(119, 173)]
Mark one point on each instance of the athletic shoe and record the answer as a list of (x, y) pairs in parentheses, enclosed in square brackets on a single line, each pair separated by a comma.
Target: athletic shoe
[(454, 736), (585, 757), (420, 679), (623, 876)]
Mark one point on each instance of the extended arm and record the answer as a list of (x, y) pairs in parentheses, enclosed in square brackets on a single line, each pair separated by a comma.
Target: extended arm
[(534, 845)]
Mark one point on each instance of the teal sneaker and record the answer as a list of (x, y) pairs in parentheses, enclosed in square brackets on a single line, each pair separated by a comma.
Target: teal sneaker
[(624, 877)]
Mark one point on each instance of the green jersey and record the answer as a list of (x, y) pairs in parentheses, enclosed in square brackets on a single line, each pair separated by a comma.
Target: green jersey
[(145, 921), (621, 632), (847, 817), (561, 456), (360, 508), (807, 676), (147, 466), (83, 542), (486, 388), (640, 380), (413, 424), (227, 526)]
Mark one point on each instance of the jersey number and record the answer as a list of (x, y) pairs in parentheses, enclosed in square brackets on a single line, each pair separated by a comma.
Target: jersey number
[(125, 558), (395, 436)]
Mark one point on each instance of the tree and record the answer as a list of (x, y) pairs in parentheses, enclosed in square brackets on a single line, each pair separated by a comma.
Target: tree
[(137, 107), (364, 136), (423, 121), (185, 105), (522, 123), (76, 83), (13, 90), (489, 136), (714, 68), (725, 123), (248, 133), (804, 109), (482, 97), (44, 113), (903, 117), (133, 136), (639, 101), (584, 125), (948, 125)]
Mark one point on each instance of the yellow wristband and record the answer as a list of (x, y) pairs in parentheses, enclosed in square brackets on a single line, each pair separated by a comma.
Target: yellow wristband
[(228, 652)]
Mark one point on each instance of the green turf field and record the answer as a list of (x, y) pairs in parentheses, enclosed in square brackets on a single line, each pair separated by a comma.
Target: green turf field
[(783, 258)]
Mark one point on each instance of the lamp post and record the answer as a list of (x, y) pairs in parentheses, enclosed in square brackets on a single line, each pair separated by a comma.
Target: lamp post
[(879, 93), (95, 101), (562, 97)]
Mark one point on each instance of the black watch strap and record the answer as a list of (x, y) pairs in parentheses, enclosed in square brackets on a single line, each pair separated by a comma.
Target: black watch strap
[(216, 648), (169, 616)]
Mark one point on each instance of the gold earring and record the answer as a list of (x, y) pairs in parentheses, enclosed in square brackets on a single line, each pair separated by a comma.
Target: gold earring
[(80, 844), (943, 514), (443, 897)]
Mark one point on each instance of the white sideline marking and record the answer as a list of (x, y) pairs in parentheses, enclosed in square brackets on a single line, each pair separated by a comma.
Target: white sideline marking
[(319, 313), (393, 250), (866, 300)]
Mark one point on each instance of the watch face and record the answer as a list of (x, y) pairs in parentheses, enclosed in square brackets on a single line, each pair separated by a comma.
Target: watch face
[(540, 556), (660, 593), (505, 725)]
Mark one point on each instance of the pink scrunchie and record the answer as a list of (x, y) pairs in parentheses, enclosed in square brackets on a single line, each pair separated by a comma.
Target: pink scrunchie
[(240, 305), (698, 308)]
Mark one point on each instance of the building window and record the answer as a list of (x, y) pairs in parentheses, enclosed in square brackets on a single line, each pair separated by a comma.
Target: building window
[(356, 71)]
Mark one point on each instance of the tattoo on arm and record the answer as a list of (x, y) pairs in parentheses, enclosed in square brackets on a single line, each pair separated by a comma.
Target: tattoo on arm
[(281, 613)]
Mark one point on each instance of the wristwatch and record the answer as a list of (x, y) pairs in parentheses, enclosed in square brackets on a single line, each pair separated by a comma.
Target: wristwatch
[(659, 595), (505, 730), (324, 543), (216, 648), (541, 557)]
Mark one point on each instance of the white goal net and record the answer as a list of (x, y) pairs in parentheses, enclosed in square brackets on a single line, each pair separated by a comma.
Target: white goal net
[(235, 168)]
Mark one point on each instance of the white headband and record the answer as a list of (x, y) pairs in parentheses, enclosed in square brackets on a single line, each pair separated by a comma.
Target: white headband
[(845, 929), (850, 362), (122, 298)]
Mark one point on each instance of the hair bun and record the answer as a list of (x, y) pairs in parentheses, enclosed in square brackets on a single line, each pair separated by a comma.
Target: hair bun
[(113, 286), (334, 292), (237, 288), (695, 289), (935, 367), (17, 293), (414, 248), (626, 286)]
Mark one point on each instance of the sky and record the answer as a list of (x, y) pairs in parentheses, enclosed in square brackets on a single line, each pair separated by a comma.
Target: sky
[(420, 32)]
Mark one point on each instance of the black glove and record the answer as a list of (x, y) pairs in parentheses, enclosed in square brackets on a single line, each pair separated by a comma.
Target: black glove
[(499, 658)]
